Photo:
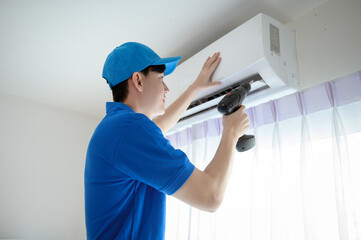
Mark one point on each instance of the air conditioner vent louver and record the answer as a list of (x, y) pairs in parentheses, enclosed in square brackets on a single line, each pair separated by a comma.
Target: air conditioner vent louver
[(224, 91)]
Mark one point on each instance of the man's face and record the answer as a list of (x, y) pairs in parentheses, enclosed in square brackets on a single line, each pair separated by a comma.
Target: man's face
[(155, 92)]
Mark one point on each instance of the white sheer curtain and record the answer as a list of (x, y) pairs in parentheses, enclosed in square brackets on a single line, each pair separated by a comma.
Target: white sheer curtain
[(301, 181)]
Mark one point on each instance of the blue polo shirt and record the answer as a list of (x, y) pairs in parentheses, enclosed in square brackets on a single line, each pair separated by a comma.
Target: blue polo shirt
[(130, 166)]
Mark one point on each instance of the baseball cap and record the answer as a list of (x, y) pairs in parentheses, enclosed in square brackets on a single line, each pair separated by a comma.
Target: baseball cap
[(133, 57)]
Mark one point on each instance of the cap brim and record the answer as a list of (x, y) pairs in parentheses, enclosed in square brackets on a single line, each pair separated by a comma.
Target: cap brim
[(170, 64)]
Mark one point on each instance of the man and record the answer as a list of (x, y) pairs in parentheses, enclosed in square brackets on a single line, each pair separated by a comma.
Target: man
[(130, 166)]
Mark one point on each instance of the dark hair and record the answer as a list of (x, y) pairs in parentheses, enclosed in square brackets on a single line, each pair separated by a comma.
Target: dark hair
[(120, 91)]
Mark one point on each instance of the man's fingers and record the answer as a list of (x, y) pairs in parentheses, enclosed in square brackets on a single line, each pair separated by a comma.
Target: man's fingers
[(216, 54), (216, 63), (206, 62), (215, 57), (242, 108), (211, 60)]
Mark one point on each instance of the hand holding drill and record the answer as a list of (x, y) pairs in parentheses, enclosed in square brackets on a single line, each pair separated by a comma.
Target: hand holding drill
[(231, 103)]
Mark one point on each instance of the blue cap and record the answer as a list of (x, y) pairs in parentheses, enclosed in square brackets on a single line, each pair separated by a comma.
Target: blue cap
[(133, 57)]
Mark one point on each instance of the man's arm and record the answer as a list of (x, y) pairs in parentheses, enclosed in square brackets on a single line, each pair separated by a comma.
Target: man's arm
[(205, 189), (175, 111)]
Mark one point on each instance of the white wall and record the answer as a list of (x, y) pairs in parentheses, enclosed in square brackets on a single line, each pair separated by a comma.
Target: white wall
[(328, 41), (42, 161)]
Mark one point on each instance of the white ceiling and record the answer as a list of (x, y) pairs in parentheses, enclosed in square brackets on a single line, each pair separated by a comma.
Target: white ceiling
[(53, 51)]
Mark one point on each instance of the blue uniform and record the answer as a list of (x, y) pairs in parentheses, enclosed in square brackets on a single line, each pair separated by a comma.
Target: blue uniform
[(130, 166)]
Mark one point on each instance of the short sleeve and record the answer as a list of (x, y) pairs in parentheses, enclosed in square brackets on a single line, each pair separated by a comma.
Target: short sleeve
[(144, 154)]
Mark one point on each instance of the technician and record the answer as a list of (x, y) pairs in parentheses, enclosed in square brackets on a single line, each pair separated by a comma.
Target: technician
[(131, 166)]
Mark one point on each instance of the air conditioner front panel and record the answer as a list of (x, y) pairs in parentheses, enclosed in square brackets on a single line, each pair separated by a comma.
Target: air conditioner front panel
[(262, 48), (239, 49)]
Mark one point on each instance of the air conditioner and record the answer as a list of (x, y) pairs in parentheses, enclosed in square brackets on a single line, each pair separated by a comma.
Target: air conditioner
[(261, 50)]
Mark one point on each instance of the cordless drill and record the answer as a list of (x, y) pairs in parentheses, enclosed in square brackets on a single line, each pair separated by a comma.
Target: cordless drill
[(231, 103)]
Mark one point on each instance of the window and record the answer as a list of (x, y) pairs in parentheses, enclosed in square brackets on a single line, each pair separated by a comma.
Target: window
[(301, 181)]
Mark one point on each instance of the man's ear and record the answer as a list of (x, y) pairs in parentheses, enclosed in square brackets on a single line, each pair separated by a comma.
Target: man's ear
[(137, 80)]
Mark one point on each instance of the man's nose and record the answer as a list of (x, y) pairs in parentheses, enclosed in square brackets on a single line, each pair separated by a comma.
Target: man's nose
[(166, 89)]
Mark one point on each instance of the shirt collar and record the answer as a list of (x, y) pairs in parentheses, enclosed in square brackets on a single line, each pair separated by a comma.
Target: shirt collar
[(111, 106)]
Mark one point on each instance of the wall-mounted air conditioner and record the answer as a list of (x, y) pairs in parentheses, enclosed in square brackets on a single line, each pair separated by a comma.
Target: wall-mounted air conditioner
[(262, 50)]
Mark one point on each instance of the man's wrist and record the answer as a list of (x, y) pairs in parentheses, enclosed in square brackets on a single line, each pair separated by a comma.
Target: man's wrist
[(229, 136), (194, 88)]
